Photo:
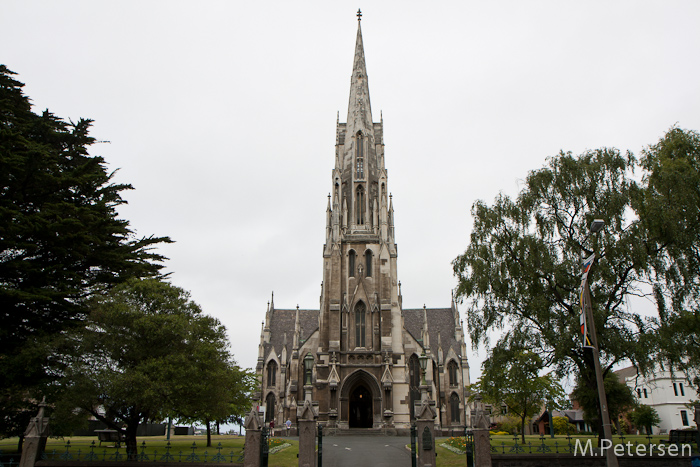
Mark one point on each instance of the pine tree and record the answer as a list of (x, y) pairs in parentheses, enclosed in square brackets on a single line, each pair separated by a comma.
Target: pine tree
[(60, 241)]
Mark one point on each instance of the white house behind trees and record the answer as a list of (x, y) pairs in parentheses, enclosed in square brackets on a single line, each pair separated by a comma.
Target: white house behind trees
[(670, 394)]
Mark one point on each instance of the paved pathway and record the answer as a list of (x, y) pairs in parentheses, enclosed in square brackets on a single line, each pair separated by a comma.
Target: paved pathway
[(360, 451)]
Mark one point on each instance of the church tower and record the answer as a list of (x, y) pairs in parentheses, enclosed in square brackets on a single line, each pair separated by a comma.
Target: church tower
[(360, 311), (357, 357)]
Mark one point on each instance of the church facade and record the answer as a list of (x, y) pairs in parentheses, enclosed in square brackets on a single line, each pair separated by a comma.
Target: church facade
[(357, 357)]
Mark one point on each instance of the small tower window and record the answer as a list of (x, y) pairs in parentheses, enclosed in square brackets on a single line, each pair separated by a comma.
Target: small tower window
[(360, 157), (452, 370), (360, 324), (368, 263), (271, 373), (351, 263), (360, 202)]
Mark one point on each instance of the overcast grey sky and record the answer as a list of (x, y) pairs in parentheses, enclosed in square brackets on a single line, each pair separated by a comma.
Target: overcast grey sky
[(222, 115)]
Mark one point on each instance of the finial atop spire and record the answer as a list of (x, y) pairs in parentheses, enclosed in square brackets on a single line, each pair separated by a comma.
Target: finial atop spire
[(359, 108), (359, 15)]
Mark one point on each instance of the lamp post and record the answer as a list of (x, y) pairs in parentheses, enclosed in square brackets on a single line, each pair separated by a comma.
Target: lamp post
[(423, 360), (308, 369), (611, 459), (697, 423)]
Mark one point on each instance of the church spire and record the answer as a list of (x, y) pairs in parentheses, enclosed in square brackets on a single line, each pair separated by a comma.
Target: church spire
[(359, 110)]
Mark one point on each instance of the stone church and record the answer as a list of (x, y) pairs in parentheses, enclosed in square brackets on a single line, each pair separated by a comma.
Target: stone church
[(357, 358)]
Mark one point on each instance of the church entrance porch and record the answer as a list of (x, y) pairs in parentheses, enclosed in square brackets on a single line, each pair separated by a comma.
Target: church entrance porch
[(360, 408), (360, 402)]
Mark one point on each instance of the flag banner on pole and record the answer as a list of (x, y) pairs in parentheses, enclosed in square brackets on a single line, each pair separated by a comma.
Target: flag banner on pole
[(587, 266), (585, 300)]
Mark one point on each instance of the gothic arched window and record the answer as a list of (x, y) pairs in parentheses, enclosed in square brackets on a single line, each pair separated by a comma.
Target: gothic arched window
[(452, 370), (351, 263), (368, 263), (360, 324), (271, 373), (360, 205)]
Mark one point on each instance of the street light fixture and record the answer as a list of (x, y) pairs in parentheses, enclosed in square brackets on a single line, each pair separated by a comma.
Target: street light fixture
[(423, 360), (308, 368), (611, 459), (597, 225)]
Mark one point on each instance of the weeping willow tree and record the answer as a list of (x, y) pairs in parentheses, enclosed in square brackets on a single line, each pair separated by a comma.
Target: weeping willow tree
[(521, 272)]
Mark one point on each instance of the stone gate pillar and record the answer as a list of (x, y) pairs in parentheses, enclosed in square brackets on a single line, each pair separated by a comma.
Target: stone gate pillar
[(35, 438), (482, 437), (253, 433), (425, 430), (306, 419)]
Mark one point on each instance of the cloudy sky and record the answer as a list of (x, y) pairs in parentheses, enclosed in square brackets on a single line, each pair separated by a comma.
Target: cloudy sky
[(222, 115)]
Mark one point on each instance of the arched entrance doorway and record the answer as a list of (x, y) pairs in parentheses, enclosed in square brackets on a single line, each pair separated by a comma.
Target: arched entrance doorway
[(360, 401), (269, 408), (360, 407)]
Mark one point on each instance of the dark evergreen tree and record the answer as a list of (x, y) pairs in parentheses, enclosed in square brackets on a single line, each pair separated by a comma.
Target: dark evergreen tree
[(60, 242)]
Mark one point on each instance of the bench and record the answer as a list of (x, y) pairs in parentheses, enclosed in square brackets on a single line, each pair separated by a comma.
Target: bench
[(110, 436), (678, 437)]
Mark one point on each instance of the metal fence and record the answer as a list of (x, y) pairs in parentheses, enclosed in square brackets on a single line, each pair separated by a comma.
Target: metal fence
[(569, 445), (9, 460), (94, 453)]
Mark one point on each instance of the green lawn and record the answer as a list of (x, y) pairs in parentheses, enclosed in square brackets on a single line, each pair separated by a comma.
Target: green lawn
[(180, 447)]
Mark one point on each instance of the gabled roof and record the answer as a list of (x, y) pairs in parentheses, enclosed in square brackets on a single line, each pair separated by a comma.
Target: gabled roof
[(282, 321), (440, 320)]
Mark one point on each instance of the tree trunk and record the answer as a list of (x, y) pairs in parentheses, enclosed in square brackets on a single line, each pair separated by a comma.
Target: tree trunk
[(130, 439), (218, 428), (208, 433), (20, 443), (522, 428)]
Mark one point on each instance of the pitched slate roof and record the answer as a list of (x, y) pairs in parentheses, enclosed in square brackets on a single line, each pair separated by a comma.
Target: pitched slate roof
[(440, 320), (282, 321)]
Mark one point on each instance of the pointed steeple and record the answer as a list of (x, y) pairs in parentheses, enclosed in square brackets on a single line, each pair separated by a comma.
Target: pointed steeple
[(261, 348), (426, 335), (329, 219), (283, 356), (297, 334), (359, 109)]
